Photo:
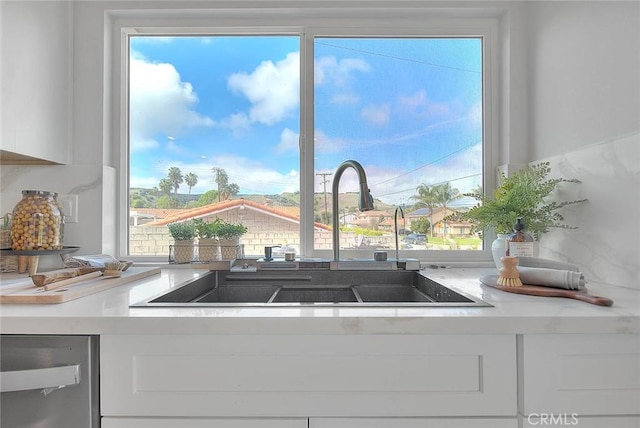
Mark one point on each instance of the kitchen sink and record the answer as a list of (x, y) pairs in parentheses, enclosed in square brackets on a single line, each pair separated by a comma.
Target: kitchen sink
[(312, 288)]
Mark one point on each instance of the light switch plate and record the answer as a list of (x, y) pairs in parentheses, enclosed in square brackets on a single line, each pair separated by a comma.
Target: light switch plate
[(69, 204)]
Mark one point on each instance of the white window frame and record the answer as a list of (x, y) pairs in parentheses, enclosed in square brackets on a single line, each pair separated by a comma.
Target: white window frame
[(361, 21)]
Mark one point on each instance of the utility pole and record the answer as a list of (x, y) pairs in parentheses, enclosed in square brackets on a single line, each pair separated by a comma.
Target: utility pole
[(325, 180)]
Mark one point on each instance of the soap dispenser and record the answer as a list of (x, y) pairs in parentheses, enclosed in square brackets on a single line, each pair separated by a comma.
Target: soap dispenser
[(519, 243)]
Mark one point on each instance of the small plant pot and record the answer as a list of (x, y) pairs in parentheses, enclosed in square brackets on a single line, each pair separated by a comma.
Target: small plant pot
[(183, 251), (229, 248), (207, 249)]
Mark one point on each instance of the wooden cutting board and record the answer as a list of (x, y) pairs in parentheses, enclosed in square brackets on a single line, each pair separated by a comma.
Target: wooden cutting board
[(27, 292), (537, 290)]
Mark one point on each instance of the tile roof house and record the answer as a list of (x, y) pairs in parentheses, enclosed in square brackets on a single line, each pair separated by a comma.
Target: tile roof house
[(453, 228), (267, 225), (233, 207)]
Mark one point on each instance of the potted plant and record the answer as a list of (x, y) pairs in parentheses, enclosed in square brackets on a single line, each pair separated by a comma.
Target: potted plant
[(207, 232), (525, 194), (229, 238), (183, 233)]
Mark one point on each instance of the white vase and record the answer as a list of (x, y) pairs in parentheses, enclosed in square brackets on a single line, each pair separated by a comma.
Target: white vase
[(498, 248)]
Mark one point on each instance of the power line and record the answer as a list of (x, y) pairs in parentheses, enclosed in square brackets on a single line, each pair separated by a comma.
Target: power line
[(424, 165), (433, 64), (433, 184)]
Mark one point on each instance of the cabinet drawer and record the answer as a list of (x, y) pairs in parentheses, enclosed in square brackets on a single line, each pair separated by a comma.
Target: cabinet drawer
[(581, 374), (414, 423), (202, 423), (301, 376)]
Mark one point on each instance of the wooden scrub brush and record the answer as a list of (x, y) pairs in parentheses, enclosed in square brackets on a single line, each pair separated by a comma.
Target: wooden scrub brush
[(114, 269), (509, 275)]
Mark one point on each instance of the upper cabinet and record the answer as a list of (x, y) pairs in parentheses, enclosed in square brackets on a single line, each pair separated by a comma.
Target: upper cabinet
[(36, 81)]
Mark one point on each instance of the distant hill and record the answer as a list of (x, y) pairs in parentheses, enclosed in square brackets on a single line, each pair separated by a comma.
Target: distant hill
[(146, 198)]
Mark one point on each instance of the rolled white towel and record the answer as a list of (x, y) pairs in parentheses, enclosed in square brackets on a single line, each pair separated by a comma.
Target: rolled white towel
[(557, 278)]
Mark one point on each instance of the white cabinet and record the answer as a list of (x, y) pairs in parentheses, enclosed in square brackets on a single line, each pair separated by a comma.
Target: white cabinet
[(590, 374), (202, 423), (35, 106), (413, 423), (370, 381), (308, 376)]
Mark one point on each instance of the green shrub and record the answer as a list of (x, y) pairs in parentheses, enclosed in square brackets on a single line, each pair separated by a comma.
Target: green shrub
[(522, 195), (182, 231)]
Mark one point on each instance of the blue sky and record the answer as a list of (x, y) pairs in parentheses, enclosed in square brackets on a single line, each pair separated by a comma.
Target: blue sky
[(407, 109)]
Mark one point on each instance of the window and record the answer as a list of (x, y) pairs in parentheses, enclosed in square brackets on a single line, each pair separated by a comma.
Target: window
[(249, 125), (409, 109), (213, 133)]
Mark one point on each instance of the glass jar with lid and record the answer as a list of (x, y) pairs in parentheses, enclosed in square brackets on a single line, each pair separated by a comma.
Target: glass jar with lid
[(37, 222)]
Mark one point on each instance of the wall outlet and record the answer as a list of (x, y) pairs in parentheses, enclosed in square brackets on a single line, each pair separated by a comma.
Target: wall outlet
[(69, 204)]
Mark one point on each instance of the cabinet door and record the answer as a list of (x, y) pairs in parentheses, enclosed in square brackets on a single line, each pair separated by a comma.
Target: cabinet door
[(36, 86), (202, 423), (583, 374), (311, 375), (413, 423)]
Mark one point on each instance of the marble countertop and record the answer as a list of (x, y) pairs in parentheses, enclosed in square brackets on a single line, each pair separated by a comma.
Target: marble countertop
[(109, 312)]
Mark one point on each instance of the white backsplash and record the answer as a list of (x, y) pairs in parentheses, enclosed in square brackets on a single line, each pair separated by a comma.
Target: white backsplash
[(605, 245)]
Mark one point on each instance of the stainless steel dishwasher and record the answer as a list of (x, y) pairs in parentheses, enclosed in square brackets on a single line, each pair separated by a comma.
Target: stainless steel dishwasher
[(49, 381)]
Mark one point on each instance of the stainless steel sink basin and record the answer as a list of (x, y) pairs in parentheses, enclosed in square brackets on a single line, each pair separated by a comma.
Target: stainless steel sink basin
[(392, 293), (312, 288), (307, 295)]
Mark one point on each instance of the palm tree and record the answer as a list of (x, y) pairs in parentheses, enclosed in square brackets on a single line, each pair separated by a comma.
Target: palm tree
[(191, 179), (176, 178), (225, 189), (427, 197), (165, 186), (445, 194)]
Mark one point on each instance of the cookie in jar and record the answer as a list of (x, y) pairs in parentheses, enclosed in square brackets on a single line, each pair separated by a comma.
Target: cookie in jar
[(37, 222)]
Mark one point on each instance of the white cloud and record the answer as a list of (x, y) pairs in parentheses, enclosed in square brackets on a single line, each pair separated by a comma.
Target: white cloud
[(345, 98), (272, 89), (328, 70), (475, 113), (238, 123), (144, 182), (289, 142), (250, 173), (376, 114), (418, 104), (171, 146), (160, 102), (414, 102), (143, 144), (325, 144)]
